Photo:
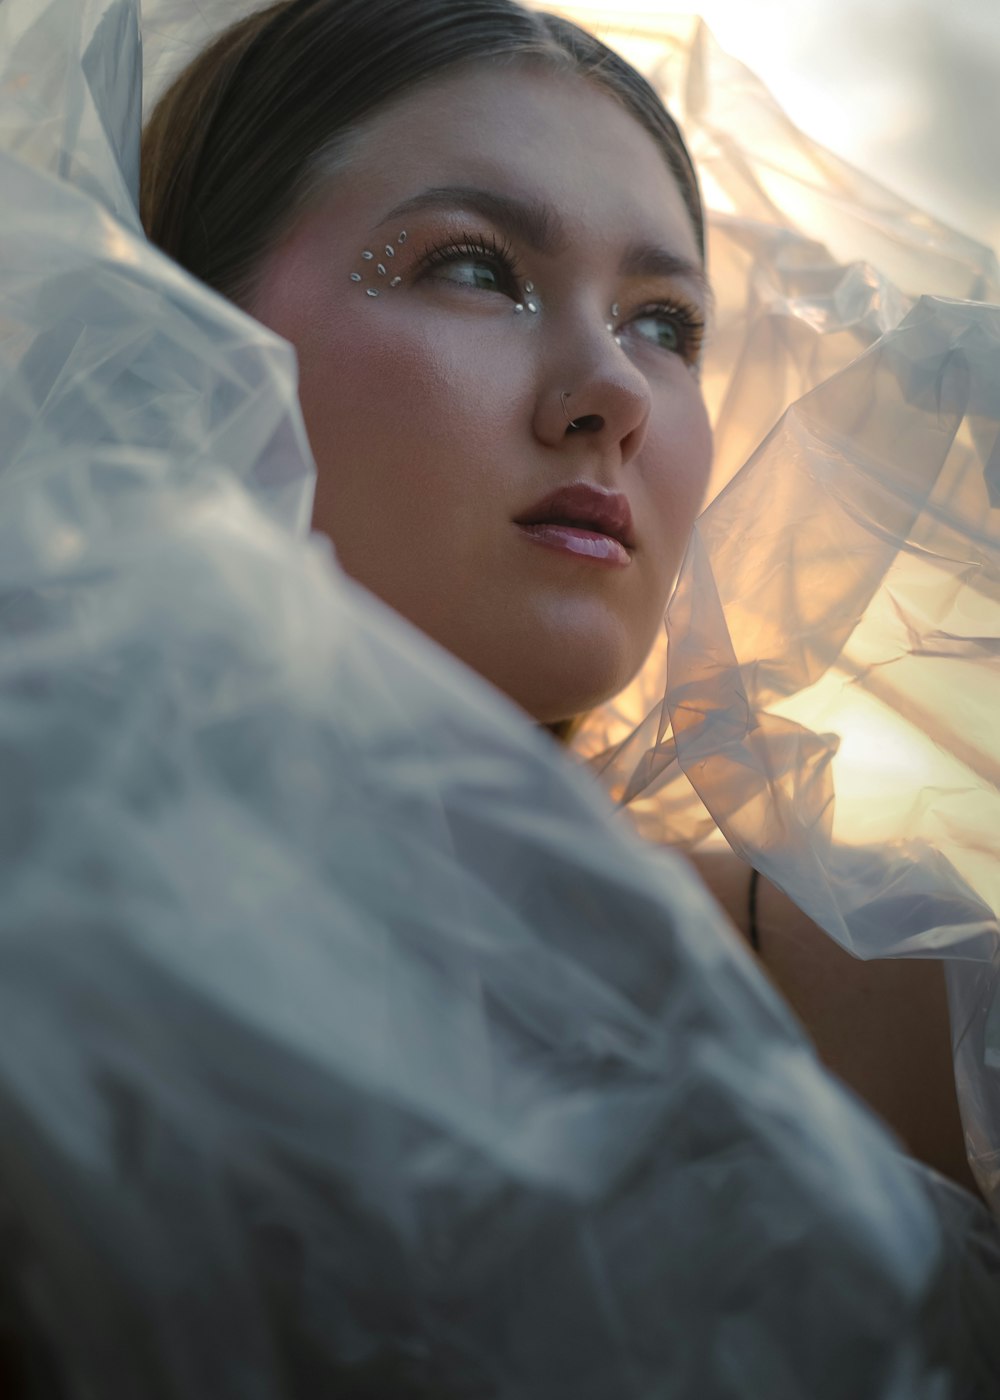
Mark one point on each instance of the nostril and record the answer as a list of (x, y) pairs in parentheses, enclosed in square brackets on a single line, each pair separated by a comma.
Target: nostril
[(586, 423)]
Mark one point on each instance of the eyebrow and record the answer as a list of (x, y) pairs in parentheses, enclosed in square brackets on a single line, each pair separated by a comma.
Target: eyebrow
[(539, 225)]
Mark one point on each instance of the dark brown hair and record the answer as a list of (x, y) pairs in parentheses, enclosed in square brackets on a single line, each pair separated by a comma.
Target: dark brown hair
[(249, 130)]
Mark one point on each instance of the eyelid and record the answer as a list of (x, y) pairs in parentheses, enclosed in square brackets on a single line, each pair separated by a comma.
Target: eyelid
[(687, 313), (490, 247), (671, 301)]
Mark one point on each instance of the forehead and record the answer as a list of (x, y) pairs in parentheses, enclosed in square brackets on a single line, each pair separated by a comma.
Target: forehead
[(538, 135)]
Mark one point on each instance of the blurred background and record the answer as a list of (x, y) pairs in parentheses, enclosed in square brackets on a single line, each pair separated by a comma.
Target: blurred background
[(908, 90)]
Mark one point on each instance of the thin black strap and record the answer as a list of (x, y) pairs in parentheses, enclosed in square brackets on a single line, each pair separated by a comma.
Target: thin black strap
[(754, 932)]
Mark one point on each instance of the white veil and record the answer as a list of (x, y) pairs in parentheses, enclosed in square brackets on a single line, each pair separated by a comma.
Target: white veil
[(350, 1044)]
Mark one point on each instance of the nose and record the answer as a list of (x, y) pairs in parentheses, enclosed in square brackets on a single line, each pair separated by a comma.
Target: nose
[(589, 423), (591, 389)]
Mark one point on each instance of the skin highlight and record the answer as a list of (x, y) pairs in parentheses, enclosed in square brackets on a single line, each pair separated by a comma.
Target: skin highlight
[(434, 411)]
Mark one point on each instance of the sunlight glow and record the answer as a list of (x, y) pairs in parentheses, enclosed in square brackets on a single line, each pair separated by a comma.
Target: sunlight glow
[(925, 129)]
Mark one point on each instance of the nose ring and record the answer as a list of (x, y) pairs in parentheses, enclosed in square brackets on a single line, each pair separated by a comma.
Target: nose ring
[(562, 399)]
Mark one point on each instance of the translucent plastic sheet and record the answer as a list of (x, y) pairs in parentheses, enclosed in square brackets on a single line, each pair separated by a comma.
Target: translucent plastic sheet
[(349, 1044), (834, 641)]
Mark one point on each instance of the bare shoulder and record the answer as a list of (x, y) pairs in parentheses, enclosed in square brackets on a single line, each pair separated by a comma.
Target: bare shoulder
[(882, 1026)]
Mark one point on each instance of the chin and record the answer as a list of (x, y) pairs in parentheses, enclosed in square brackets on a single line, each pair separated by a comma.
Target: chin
[(559, 668), (553, 693)]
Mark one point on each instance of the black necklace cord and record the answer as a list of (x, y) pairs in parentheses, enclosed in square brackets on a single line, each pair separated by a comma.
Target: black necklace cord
[(752, 910)]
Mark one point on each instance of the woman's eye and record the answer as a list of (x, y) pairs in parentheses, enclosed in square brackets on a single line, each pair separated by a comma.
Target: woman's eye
[(470, 271), (672, 328), (483, 263)]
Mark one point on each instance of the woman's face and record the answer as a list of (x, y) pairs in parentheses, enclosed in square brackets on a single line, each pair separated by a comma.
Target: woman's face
[(434, 409)]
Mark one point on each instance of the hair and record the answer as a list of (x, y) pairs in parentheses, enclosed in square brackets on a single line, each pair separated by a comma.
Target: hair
[(250, 130), (254, 127)]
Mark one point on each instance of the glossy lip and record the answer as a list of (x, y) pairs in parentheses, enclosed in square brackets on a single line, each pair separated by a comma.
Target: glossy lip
[(591, 545), (586, 507)]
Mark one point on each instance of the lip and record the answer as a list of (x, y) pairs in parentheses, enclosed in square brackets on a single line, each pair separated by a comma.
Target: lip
[(585, 544), (584, 509)]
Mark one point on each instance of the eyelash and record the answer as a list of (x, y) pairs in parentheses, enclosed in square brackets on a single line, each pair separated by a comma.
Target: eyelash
[(689, 321), (476, 245), (500, 253)]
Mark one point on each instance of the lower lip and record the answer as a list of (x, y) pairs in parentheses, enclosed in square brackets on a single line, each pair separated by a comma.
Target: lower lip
[(585, 544)]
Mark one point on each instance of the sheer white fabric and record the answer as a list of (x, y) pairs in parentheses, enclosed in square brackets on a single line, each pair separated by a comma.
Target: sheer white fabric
[(348, 1038)]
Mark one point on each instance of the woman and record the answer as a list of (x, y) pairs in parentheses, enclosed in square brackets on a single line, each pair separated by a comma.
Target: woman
[(544, 331), (516, 336), (349, 1045)]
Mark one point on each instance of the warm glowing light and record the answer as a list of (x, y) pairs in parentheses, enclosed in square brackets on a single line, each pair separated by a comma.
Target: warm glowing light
[(889, 777), (913, 109)]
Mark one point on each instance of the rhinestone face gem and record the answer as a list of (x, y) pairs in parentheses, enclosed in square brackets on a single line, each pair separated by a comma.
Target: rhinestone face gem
[(532, 306), (373, 291), (355, 276), (390, 251), (529, 287), (395, 282), (402, 237), (381, 269), (518, 307), (615, 309), (367, 255)]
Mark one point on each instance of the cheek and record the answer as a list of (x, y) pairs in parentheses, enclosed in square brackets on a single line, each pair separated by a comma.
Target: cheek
[(361, 388), (380, 384), (404, 422), (680, 458), (391, 388)]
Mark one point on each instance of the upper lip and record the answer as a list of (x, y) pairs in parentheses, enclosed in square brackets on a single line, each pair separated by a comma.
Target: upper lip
[(587, 506)]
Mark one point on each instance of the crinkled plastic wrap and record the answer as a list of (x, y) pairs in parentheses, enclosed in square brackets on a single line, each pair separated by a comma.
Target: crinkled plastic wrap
[(349, 1044), (834, 640)]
